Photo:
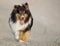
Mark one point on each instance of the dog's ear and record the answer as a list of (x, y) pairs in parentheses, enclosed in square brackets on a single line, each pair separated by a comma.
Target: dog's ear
[(16, 6), (26, 6)]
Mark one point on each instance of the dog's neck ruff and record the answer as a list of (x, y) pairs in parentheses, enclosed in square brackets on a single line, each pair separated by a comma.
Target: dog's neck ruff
[(17, 26)]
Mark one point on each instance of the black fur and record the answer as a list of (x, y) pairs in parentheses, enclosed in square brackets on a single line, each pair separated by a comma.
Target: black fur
[(30, 25), (13, 17)]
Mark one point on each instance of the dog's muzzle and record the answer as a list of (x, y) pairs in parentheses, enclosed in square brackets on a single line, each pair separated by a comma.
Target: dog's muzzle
[(22, 19)]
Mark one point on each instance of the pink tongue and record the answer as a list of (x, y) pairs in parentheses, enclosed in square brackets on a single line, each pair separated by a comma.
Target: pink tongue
[(22, 21)]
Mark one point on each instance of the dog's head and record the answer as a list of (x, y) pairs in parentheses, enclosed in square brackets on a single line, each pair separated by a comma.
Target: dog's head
[(21, 13)]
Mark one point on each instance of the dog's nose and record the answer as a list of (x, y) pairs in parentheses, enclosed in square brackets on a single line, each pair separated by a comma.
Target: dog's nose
[(22, 18)]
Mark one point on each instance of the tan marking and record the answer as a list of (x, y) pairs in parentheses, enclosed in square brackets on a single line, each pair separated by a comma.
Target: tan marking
[(27, 34), (17, 16), (23, 36), (25, 16)]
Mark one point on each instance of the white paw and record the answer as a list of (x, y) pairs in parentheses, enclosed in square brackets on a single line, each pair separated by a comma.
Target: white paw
[(17, 35), (21, 41), (17, 38)]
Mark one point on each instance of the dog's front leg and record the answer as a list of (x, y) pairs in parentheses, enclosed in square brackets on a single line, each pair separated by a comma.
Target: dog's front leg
[(17, 35)]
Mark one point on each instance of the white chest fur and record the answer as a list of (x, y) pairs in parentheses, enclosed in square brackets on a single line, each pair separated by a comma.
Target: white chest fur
[(17, 26)]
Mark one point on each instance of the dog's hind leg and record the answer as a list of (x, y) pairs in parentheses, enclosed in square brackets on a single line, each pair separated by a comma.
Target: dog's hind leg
[(27, 35)]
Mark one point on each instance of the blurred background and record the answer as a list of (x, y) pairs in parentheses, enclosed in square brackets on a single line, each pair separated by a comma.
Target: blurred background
[(46, 27)]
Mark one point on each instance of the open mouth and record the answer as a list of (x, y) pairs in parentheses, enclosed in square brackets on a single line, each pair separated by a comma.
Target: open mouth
[(22, 22), (22, 19)]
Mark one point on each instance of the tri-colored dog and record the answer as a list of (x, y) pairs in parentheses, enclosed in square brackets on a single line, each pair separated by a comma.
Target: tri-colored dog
[(21, 21)]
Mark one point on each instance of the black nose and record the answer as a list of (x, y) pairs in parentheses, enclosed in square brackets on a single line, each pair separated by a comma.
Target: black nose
[(22, 18)]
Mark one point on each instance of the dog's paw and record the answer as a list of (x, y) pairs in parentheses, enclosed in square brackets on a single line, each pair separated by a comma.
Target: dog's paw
[(21, 41), (17, 38)]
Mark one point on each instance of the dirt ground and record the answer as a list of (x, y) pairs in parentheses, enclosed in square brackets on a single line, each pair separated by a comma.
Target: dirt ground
[(46, 27)]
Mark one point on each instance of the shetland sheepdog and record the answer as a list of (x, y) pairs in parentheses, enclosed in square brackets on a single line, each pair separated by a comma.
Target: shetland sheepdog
[(21, 22)]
